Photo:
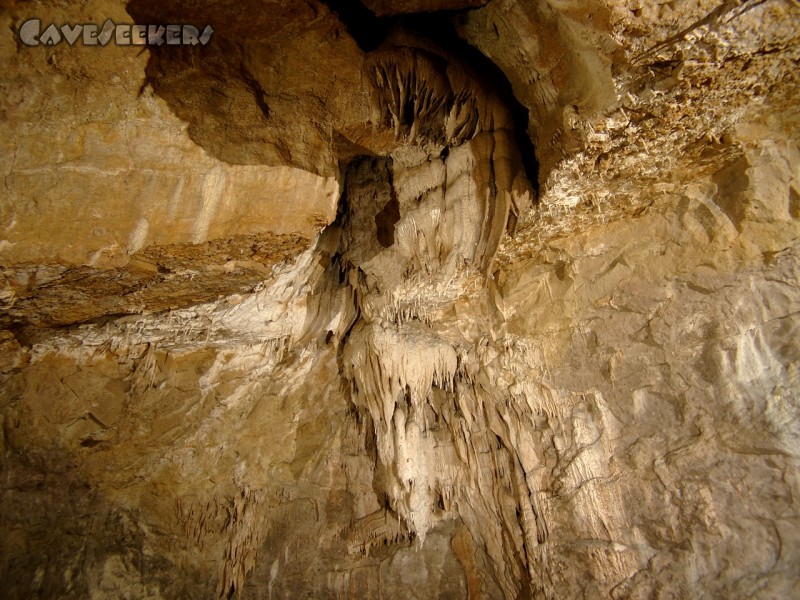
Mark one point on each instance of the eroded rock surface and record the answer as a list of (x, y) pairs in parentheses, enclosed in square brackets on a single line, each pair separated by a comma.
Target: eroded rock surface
[(329, 338)]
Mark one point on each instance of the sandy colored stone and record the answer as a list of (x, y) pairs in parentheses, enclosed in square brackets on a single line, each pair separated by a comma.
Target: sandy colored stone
[(286, 317)]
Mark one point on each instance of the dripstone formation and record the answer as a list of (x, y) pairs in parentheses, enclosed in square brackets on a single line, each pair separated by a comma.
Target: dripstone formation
[(431, 299)]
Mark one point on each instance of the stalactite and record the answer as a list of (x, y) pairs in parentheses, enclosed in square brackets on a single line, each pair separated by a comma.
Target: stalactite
[(412, 94), (374, 530), (239, 521)]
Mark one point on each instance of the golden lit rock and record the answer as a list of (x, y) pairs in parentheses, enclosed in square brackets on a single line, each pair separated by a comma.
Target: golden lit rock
[(492, 299)]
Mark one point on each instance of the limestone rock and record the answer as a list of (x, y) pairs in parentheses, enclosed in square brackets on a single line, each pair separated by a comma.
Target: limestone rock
[(98, 169), (293, 314)]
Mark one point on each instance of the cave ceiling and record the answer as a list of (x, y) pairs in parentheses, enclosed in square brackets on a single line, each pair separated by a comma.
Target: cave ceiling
[(426, 298)]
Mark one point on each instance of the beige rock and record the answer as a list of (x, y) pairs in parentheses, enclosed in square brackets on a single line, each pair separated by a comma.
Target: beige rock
[(284, 317)]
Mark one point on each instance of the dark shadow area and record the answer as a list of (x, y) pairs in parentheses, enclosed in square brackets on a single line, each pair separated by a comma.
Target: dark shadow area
[(385, 221), (361, 23)]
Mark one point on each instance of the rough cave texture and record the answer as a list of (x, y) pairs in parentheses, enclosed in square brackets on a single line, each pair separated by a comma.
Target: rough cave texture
[(430, 299)]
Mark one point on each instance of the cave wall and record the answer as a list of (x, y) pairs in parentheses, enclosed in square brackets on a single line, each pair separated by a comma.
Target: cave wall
[(298, 314)]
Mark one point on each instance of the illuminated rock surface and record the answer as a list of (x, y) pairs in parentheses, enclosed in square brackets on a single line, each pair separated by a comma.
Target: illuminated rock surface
[(494, 299)]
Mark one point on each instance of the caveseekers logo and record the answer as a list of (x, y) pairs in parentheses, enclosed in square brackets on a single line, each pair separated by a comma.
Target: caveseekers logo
[(90, 34)]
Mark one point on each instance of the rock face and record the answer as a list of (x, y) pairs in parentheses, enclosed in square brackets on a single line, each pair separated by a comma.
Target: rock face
[(431, 299)]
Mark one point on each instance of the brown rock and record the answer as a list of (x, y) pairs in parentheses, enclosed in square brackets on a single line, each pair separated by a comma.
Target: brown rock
[(286, 315)]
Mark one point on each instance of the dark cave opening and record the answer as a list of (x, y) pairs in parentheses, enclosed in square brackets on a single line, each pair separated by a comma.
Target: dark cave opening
[(385, 221), (364, 27)]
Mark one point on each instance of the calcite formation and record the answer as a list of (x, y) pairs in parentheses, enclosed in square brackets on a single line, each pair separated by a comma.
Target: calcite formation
[(455, 299)]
